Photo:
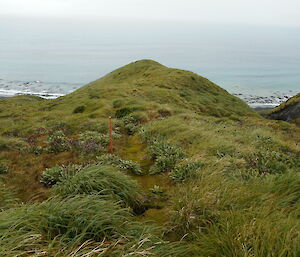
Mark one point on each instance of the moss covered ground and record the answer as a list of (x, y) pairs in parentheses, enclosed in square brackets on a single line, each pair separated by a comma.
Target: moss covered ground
[(195, 172)]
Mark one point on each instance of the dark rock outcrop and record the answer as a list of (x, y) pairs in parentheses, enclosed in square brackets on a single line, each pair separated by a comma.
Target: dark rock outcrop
[(288, 111)]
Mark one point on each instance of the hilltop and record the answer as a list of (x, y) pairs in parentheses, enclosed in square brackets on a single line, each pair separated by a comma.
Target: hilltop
[(288, 111), (194, 171), (143, 85), (148, 81)]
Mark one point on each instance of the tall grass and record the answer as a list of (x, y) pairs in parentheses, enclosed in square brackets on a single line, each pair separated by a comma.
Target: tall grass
[(8, 197), (228, 217), (243, 202), (105, 181), (78, 226), (284, 191), (244, 234), (57, 174)]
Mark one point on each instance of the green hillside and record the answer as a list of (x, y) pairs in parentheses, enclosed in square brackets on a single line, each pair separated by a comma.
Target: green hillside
[(145, 86), (194, 171)]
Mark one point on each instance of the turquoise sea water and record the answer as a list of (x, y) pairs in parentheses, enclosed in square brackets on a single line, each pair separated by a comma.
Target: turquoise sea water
[(55, 57)]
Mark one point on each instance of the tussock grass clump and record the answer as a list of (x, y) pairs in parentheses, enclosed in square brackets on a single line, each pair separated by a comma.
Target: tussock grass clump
[(118, 103), (226, 217), (79, 226), (193, 210), (245, 234), (111, 159), (82, 217), (7, 197), (285, 189), (57, 174), (200, 202), (57, 225), (105, 181), (7, 143)]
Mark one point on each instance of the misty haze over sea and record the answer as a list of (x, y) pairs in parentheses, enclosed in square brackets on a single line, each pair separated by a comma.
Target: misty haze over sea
[(56, 57)]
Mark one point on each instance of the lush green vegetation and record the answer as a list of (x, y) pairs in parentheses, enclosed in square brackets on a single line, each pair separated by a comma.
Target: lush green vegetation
[(195, 172)]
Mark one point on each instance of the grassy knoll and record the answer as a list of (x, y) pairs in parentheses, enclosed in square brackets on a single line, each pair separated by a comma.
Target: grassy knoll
[(195, 171)]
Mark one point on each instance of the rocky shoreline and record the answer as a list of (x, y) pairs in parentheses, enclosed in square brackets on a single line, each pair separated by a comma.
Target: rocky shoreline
[(255, 102), (42, 89), (265, 102)]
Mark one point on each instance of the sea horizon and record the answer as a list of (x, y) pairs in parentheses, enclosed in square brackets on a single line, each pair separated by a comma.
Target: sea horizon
[(252, 62)]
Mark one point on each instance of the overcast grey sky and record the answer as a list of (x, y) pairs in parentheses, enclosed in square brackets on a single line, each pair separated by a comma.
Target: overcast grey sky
[(258, 12)]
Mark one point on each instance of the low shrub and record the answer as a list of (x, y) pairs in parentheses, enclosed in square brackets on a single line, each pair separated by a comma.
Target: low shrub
[(166, 156), (57, 174), (129, 166), (92, 142), (131, 122), (271, 162), (160, 148), (185, 171), (58, 142), (105, 181), (148, 136), (157, 190), (163, 164), (120, 113), (36, 149), (3, 168), (79, 109)]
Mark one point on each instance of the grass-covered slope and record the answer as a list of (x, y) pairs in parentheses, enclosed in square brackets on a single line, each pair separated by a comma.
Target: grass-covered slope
[(143, 85), (288, 111), (215, 178), (148, 84)]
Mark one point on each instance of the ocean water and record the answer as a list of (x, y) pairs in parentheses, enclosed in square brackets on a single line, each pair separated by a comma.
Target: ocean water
[(54, 57)]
